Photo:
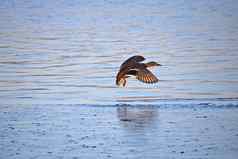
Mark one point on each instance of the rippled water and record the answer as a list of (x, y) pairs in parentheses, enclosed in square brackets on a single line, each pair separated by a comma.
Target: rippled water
[(70, 51)]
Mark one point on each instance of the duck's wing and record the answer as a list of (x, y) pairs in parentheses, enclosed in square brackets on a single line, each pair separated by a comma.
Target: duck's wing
[(132, 60), (144, 75)]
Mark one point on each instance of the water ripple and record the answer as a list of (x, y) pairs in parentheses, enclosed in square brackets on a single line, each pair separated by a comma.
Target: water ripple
[(71, 54)]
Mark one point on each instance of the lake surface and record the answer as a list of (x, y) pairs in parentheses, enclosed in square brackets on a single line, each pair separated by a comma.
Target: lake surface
[(118, 132), (68, 52), (59, 59)]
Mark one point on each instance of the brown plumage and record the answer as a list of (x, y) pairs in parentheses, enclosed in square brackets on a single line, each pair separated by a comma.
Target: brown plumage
[(134, 67)]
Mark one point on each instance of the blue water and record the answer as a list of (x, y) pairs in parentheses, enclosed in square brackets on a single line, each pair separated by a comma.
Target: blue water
[(68, 52)]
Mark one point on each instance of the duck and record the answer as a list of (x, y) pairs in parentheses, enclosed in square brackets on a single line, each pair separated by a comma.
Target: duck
[(133, 66)]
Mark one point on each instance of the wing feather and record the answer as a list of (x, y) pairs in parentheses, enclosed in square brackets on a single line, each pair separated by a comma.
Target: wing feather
[(144, 75), (132, 60)]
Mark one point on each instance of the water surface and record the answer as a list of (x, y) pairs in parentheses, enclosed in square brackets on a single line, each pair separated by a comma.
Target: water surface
[(70, 51)]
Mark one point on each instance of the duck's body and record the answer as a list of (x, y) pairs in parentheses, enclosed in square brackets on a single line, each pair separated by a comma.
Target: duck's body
[(134, 67)]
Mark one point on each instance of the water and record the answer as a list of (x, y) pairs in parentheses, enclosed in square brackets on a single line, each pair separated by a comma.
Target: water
[(59, 59), (68, 52), (78, 132)]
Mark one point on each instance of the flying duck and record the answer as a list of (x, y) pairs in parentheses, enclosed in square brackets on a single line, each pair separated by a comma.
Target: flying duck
[(134, 67)]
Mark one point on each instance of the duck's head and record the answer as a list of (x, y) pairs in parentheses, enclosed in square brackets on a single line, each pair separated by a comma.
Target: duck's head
[(152, 64)]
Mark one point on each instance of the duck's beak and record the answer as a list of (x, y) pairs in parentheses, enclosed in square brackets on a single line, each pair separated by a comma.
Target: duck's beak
[(158, 64)]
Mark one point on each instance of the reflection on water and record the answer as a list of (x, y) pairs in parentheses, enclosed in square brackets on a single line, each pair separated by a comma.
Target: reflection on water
[(69, 51), (137, 118)]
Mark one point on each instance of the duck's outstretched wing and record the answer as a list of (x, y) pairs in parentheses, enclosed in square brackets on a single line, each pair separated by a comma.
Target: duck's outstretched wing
[(144, 75), (132, 60)]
